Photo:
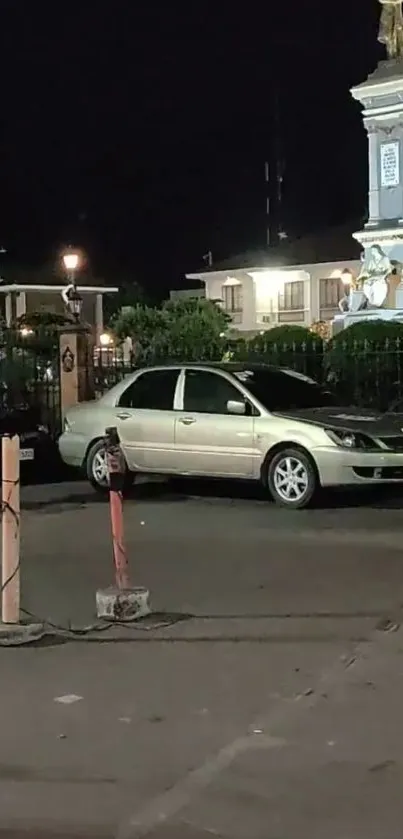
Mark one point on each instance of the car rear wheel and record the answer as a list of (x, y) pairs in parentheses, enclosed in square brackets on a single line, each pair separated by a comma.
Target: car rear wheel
[(292, 478), (97, 470)]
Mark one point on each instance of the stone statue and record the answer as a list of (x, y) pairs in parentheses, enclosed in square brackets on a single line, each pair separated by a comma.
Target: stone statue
[(375, 285), (391, 28), (373, 279)]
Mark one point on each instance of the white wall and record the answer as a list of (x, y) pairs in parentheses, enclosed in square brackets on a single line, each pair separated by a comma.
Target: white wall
[(214, 285), (268, 286)]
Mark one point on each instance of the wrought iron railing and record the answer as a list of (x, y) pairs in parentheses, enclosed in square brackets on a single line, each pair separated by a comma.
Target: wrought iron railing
[(359, 372)]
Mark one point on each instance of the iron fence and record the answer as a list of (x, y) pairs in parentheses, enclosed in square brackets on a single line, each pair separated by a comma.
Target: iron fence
[(111, 365), (363, 373), (29, 376)]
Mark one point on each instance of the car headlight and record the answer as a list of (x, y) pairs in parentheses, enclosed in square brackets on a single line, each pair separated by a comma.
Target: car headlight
[(350, 439)]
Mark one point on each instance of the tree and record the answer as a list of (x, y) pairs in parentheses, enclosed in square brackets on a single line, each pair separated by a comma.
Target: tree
[(44, 328), (183, 330), (196, 329), (145, 325)]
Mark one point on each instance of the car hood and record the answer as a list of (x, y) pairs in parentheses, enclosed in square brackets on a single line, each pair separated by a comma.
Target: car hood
[(361, 420)]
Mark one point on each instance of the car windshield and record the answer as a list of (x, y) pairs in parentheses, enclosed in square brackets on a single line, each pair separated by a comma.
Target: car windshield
[(284, 390)]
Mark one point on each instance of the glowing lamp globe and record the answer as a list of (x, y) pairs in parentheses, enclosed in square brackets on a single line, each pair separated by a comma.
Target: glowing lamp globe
[(71, 261)]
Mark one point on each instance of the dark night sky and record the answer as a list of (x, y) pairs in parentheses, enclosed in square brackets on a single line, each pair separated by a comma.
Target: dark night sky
[(140, 130)]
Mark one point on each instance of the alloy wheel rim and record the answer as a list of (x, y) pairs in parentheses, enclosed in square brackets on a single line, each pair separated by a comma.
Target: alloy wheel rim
[(99, 468), (290, 479)]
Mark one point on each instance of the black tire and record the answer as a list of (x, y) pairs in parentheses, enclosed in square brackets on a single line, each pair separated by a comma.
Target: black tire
[(300, 497), (97, 449)]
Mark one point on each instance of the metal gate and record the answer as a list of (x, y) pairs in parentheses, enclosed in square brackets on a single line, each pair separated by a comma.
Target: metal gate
[(29, 375)]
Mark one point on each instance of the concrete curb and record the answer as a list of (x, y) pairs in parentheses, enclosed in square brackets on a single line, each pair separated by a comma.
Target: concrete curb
[(18, 634)]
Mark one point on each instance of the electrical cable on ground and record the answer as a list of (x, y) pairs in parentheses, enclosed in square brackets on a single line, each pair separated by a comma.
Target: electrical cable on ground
[(50, 628)]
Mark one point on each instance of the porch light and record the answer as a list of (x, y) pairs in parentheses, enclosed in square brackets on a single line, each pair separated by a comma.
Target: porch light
[(346, 277), (105, 339)]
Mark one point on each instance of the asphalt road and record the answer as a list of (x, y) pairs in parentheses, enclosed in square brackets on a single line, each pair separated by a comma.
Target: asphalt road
[(271, 710)]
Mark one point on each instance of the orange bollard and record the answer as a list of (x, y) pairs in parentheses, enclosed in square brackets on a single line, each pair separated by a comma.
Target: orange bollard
[(122, 602), (10, 587), (116, 470)]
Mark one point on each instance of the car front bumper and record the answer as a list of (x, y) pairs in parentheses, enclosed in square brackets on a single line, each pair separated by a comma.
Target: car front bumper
[(339, 467)]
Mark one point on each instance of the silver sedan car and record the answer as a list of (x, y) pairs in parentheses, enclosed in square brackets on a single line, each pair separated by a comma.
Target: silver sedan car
[(246, 421)]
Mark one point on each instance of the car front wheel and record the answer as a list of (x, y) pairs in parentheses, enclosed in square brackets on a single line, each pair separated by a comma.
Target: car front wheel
[(97, 469), (292, 479)]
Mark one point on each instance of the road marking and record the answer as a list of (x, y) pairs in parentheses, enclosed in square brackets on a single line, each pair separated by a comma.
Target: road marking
[(68, 699), (178, 797), (167, 805)]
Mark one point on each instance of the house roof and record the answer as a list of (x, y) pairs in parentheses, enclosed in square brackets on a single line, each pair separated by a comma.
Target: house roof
[(332, 245), (16, 288)]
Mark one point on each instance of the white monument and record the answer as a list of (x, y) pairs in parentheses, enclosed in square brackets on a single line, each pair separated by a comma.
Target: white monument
[(378, 291)]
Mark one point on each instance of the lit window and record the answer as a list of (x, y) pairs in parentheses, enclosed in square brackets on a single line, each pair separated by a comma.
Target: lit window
[(232, 298), (291, 298), (331, 292)]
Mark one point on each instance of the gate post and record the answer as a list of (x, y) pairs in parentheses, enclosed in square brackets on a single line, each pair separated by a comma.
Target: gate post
[(76, 363)]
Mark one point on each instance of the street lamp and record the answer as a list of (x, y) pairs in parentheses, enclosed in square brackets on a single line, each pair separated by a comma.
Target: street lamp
[(105, 339), (71, 261), (71, 295)]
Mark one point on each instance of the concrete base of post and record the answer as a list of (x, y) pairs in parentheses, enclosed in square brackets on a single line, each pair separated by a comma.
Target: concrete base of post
[(122, 605), (17, 634)]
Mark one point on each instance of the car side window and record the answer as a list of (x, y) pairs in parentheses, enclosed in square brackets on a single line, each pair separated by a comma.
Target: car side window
[(208, 393), (154, 390)]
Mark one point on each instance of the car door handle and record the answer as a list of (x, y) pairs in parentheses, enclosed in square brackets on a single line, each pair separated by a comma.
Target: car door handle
[(124, 415), (187, 420)]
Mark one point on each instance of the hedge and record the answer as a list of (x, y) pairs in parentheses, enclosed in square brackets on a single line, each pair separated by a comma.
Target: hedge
[(285, 346), (364, 363)]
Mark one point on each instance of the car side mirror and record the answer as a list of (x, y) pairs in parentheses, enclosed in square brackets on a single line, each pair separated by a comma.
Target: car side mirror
[(235, 407)]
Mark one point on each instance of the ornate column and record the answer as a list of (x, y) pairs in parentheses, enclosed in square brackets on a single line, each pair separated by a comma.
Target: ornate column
[(373, 173), (99, 316), (76, 359)]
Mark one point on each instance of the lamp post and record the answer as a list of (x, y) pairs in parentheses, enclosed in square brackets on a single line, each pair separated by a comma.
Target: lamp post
[(71, 295)]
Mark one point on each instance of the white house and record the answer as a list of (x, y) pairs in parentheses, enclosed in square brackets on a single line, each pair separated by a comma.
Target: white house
[(297, 282), (258, 298)]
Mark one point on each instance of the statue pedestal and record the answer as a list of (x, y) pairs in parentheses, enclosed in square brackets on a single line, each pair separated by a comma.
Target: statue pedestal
[(346, 319)]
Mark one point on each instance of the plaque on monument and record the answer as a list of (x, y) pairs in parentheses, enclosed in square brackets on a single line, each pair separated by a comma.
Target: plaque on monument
[(390, 163)]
